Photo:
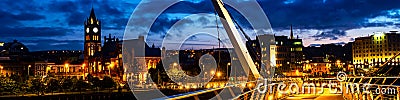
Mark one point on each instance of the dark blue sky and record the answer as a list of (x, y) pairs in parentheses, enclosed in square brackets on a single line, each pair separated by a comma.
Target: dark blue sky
[(58, 25)]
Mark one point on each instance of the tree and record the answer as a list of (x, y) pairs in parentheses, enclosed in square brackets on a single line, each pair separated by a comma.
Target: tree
[(176, 74), (108, 82), (89, 77), (16, 78), (95, 81), (80, 85), (8, 85), (66, 84), (37, 86), (53, 85)]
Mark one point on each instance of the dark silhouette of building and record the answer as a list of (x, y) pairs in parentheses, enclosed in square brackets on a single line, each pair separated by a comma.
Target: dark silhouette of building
[(59, 56), (110, 57), (14, 59), (327, 58), (13, 48), (328, 53)]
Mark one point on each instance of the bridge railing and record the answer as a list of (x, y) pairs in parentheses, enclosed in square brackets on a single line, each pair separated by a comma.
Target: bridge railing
[(271, 93), (371, 88), (249, 90)]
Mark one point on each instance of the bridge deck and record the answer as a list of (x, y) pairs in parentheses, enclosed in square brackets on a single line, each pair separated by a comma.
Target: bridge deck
[(324, 96)]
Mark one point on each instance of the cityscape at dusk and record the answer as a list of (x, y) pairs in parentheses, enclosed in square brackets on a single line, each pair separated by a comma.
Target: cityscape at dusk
[(57, 25), (200, 49)]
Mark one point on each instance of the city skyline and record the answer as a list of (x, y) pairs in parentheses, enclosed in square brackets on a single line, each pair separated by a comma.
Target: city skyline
[(58, 25), (200, 49)]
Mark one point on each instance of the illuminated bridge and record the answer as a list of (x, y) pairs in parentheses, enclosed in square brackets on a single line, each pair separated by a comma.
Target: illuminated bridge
[(271, 88), (353, 88)]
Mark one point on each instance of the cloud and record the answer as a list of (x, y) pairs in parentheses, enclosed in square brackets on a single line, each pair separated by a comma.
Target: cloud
[(317, 14), (352, 39), (332, 18), (10, 19), (52, 44), (23, 32), (331, 34)]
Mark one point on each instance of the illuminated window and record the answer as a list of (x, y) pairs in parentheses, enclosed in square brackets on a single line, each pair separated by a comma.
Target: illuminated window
[(91, 52), (91, 20), (264, 49), (299, 49), (87, 37), (297, 43)]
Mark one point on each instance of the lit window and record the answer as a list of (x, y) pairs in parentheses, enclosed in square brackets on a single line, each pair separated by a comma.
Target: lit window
[(299, 49), (91, 20), (297, 43), (87, 37)]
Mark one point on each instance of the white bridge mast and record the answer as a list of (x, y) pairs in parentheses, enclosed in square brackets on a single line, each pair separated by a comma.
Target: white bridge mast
[(237, 42)]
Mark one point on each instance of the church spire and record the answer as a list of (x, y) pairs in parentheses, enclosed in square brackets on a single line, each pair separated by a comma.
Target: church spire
[(92, 15), (291, 32)]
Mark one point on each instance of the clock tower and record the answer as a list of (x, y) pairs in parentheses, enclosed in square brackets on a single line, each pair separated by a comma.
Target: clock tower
[(92, 40)]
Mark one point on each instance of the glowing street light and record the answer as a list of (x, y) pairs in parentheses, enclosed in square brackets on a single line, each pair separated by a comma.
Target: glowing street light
[(219, 74), (297, 72), (212, 72), (29, 66), (227, 77), (83, 66)]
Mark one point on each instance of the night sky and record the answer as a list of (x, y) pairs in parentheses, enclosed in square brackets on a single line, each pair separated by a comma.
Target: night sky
[(58, 24)]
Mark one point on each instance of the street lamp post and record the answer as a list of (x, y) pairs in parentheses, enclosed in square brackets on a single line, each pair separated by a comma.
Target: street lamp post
[(29, 66), (109, 70), (227, 68), (47, 70)]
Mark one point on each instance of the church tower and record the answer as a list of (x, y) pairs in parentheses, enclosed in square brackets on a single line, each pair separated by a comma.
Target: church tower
[(92, 37)]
